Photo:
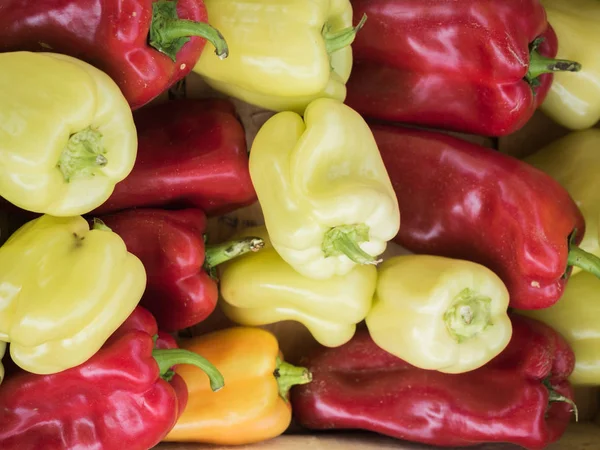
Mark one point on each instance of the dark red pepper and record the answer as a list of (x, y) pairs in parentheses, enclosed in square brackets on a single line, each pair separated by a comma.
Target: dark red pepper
[(146, 46), (465, 201), (190, 153), (476, 66), (124, 397), (522, 396), (180, 290)]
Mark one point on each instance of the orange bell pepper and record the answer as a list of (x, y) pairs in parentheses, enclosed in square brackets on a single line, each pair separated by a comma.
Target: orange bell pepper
[(253, 406)]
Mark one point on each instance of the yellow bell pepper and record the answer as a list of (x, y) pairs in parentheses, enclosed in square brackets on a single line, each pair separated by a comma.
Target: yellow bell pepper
[(575, 317), (326, 197), (67, 134), (574, 161), (574, 99), (283, 53), (253, 406), (439, 313), (260, 288), (64, 289), (2, 350)]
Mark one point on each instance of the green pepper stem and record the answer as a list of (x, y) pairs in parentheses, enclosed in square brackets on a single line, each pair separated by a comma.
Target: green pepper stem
[(167, 358), (288, 376), (468, 315), (98, 224), (82, 155), (554, 397), (169, 33), (343, 38), (345, 240), (584, 260), (220, 253), (539, 65)]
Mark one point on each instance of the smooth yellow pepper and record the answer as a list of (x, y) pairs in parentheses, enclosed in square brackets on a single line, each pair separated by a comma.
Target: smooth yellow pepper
[(2, 350), (574, 99), (282, 53), (574, 161), (64, 289), (326, 197), (439, 313), (260, 288), (575, 317), (67, 134)]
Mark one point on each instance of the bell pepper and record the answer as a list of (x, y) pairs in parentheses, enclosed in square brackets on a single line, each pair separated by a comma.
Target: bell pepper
[(190, 153), (576, 318), (522, 396), (574, 100), (253, 406), (260, 289), (284, 53), (144, 45), (327, 200), (475, 66), (67, 136), (65, 290), (2, 350), (180, 291), (464, 201), (125, 396), (574, 161), (439, 313)]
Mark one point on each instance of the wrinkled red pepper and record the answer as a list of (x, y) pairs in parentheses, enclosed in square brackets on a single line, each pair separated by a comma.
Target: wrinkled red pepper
[(465, 201), (146, 46), (476, 66), (521, 397), (190, 153), (124, 397), (180, 289)]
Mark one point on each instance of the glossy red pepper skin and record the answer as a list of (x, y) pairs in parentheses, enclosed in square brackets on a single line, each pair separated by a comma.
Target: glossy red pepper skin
[(170, 244), (451, 65), (464, 201), (360, 386), (116, 400), (190, 153), (109, 34)]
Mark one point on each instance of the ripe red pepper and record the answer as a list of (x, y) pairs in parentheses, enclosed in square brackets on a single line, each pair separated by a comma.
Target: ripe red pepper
[(522, 396), (476, 66), (125, 396), (180, 290), (190, 153), (146, 46), (465, 201)]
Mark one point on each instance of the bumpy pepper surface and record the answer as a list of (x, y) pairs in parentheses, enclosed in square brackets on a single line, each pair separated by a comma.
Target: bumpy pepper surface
[(253, 406), (326, 197), (439, 313), (284, 53), (190, 153), (461, 200), (144, 45), (260, 288), (476, 66), (519, 397), (67, 136), (180, 291), (574, 99), (66, 289), (125, 396)]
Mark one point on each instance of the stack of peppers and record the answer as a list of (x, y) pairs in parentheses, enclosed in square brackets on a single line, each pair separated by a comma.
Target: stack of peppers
[(101, 288)]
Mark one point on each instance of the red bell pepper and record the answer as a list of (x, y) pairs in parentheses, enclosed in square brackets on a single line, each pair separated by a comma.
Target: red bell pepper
[(144, 45), (522, 396), (180, 289), (190, 153), (465, 201), (124, 397), (476, 66)]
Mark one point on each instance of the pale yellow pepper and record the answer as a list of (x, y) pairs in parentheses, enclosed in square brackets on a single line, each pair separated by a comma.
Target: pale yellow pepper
[(439, 313), (67, 134), (282, 53), (64, 289), (574, 99)]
